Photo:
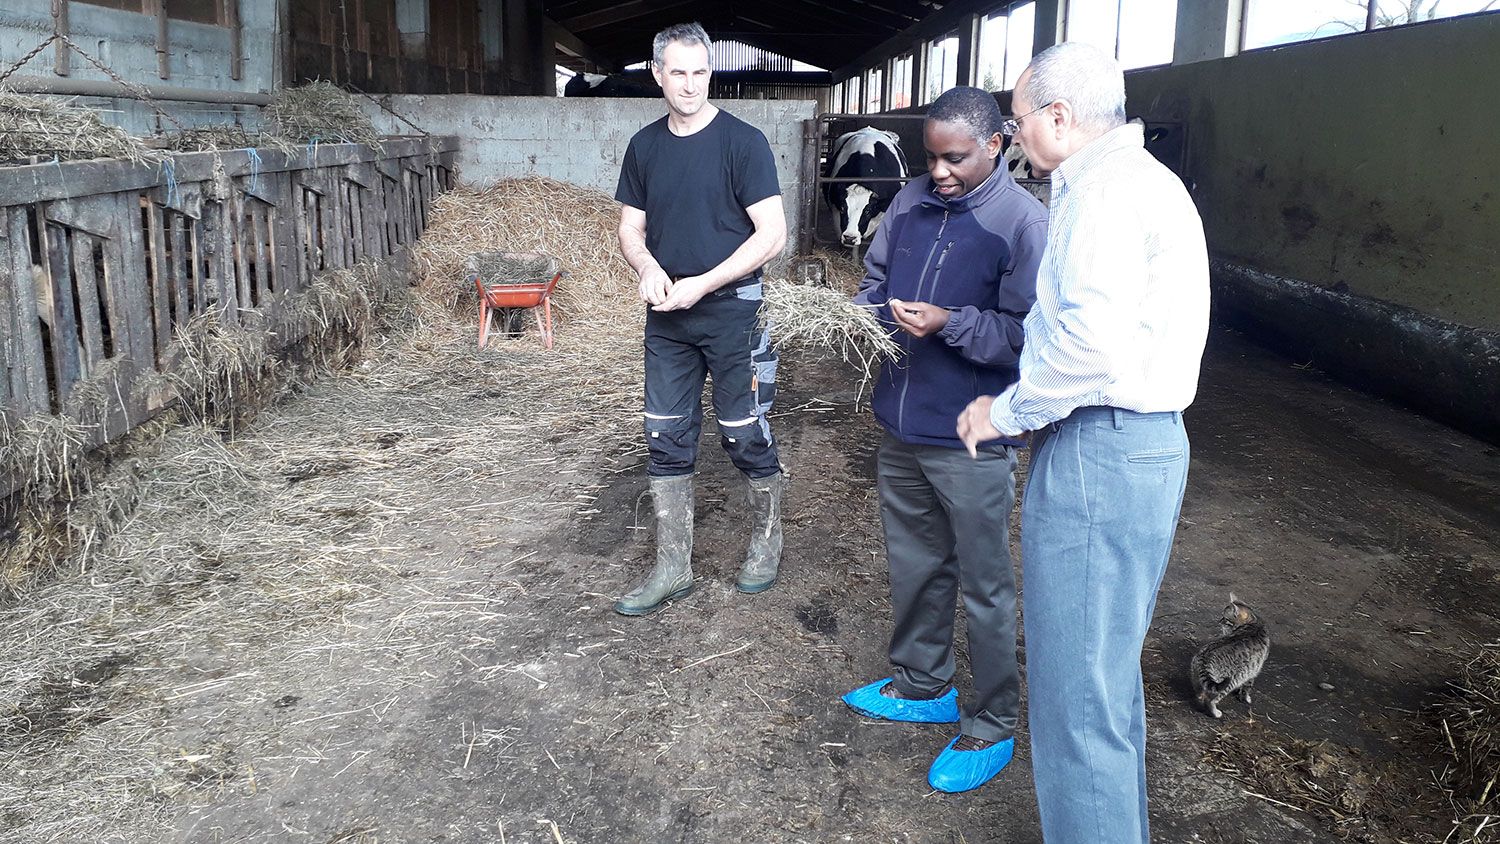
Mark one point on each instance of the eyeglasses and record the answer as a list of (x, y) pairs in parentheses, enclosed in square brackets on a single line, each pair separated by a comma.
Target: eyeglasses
[(1012, 126)]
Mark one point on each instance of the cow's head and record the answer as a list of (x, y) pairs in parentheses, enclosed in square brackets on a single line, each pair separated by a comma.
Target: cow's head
[(1017, 162), (860, 210)]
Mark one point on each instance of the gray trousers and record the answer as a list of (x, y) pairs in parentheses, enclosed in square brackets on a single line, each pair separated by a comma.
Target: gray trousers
[(947, 529)]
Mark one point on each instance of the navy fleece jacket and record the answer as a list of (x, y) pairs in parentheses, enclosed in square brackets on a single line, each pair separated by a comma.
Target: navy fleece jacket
[(976, 255)]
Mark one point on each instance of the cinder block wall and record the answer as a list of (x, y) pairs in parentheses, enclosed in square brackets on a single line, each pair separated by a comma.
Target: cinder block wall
[(581, 140), (198, 57)]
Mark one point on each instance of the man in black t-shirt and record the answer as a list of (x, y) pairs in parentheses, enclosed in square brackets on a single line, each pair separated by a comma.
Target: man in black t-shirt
[(700, 215)]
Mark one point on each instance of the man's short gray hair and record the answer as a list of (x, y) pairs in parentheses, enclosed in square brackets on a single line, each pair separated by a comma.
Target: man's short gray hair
[(682, 33), (1084, 75)]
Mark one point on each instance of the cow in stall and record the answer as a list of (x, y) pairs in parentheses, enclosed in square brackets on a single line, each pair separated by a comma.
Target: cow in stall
[(863, 153), (637, 84)]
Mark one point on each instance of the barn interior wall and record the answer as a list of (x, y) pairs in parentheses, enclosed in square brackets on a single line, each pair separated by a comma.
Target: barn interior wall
[(1364, 162), (1350, 192), (198, 54), (582, 140)]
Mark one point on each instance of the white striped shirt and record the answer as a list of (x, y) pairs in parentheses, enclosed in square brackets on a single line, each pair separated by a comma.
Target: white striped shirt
[(1121, 311)]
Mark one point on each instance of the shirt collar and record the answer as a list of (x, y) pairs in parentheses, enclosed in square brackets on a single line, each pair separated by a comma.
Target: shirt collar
[(973, 197), (1078, 165)]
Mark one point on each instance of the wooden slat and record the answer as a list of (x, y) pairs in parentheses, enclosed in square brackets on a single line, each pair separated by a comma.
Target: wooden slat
[(180, 268), (61, 180), (86, 282), (161, 282), (65, 363), (236, 38), (197, 261), (125, 286), (62, 56), (163, 42), (242, 284), (258, 234), (28, 372)]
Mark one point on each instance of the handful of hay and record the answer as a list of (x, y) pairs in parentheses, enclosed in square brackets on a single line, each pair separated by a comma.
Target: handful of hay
[(52, 128), (321, 111), (827, 319)]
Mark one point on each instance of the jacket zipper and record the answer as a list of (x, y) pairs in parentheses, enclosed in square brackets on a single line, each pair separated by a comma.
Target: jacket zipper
[(906, 375)]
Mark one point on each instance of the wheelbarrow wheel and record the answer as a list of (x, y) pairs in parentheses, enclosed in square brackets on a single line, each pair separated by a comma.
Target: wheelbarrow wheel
[(513, 321)]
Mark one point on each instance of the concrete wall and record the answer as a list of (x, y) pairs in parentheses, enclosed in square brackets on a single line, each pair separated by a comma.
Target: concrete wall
[(582, 140), (199, 57), (1350, 190), (1366, 163), (126, 42)]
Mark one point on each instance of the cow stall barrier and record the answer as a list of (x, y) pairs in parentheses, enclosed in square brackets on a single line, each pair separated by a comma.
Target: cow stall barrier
[(819, 137), (104, 264)]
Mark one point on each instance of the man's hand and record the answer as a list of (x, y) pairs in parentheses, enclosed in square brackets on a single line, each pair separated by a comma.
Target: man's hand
[(974, 426), (685, 293), (655, 285), (918, 319)]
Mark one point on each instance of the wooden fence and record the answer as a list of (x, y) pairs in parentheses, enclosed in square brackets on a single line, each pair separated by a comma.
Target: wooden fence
[(103, 263)]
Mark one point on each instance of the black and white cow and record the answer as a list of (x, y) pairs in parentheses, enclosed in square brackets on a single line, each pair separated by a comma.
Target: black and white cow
[(867, 152), (638, 84), (1161, 142)]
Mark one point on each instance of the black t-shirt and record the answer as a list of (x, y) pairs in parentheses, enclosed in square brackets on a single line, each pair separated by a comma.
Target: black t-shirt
[(695, 190)]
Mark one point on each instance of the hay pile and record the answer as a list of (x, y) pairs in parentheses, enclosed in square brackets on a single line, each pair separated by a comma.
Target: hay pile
[(320, 112), (53, 128), (1467, 725), (511, 267), (595, 366)]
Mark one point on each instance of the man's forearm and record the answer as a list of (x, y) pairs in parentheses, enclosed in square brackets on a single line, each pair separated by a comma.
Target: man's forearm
[(633, 248)]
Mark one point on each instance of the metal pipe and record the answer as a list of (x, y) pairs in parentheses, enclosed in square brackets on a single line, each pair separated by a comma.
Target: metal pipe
[(99, 88)]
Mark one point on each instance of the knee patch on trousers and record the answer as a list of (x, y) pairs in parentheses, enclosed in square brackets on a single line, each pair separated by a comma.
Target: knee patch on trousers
[(749, 446), (673, 444)]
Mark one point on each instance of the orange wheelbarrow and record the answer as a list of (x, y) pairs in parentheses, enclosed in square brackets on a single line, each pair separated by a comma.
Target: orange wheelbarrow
[(511, 283)]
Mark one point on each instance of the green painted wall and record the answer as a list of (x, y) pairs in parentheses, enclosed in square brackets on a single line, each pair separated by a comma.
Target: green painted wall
[(1371, 161)]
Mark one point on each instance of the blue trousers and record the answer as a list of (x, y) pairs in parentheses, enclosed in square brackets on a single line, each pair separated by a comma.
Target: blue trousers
[(1097, 522)]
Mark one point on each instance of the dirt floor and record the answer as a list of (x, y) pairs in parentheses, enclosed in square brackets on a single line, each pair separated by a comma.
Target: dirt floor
[(382, 614)]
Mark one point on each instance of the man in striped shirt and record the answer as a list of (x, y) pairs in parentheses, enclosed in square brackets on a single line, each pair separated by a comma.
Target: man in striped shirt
[(1110, 361)]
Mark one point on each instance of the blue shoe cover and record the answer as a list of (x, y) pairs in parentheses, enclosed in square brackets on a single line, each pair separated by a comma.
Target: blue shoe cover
[(962, 770), (869, 702)]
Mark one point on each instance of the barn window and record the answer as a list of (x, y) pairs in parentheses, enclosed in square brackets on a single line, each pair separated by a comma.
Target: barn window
[(1269, 23), (1005, 38), (873, 79), (852, 99), (941, 68), (1137, 32), (901, 81), (197, 11)]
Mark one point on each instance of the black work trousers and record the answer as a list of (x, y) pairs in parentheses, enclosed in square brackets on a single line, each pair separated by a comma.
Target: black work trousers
[(721, 335)]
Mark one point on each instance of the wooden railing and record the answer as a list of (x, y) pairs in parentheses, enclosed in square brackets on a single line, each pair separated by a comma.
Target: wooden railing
[(104, 263)]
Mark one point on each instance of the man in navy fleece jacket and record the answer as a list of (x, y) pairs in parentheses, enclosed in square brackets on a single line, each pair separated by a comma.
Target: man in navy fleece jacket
[(953, 270)]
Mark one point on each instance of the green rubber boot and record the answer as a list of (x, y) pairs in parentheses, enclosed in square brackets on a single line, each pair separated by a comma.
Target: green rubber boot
[(673, 576), (764, 557)]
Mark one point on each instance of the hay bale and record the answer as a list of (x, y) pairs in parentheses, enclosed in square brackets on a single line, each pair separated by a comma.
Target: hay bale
[(53, 128), (320, 112)]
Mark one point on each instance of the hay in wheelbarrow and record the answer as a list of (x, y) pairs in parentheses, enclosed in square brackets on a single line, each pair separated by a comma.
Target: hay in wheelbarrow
[(52, 128), (320, 112)]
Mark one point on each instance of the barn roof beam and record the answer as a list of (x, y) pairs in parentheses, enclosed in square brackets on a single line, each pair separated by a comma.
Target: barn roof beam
[(618, 13)]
